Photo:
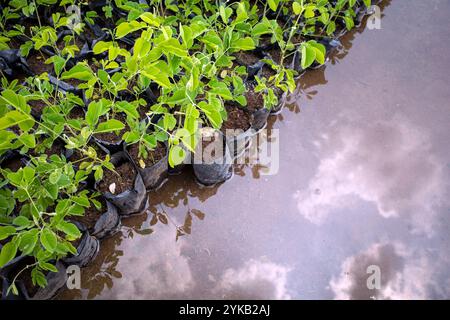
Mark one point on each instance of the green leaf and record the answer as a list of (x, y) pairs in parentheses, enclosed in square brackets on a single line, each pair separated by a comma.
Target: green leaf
[(28, 140), (297, 8), (331, 28), (93, 113), (8, 253), (273, 4), (241, 13), (54, 176), (320, 51), (127, 27), (61, 207), (169, 122), (69, 229), (212, 40), (187, 35), (80, 72), (13, 289), (246, 43), (109, 125), (178, 97), (51, 190), (150, 18), (225, 13), (141, 48), (28, 241), (309, 12), (48, 239), (101, 46), (156, 75), (128, 108), (308, 55), (28, 175), (98, 174), (21, 221), (5, 232), (349, 23), (58, 63), (212, 113), (81, 200), (16, 100), (176, 155), (261, 28), (221, 89), (172, 46), (12, 118), (38, 278), (242, 100), (47, 266)]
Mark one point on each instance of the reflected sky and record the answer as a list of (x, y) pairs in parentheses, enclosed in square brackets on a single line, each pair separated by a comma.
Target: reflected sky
[(363, 180)]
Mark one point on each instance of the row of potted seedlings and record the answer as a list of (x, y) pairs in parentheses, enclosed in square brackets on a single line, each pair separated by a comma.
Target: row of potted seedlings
[(126, 139)]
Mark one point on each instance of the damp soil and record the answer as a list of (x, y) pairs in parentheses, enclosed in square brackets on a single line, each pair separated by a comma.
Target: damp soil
[(36, 62), (237, 118), (57, 147), (246, 58), (73, 82), (74, 41), (76, 112), (142, 110), (267, 71), (12, 164), (37, 107), (255, 100), (153, 155), (275, 55), (123, 177)]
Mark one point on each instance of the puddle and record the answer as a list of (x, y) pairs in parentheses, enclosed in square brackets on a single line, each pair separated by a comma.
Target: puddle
[(362, 184)]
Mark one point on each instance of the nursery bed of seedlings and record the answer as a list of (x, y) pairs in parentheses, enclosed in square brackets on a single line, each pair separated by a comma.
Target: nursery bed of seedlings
[(102, 101)]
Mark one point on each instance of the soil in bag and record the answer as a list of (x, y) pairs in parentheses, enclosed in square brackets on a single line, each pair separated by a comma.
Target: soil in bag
[(255, 106), (124, 186), (119, 181), (57, 147), (237, 129), (36, 63), (14, 161), (154, 167)]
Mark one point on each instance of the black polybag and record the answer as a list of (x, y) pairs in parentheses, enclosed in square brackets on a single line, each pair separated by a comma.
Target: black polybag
[(108, 223), (130, 201), (87, 249), (216, 170), (154, 175)]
